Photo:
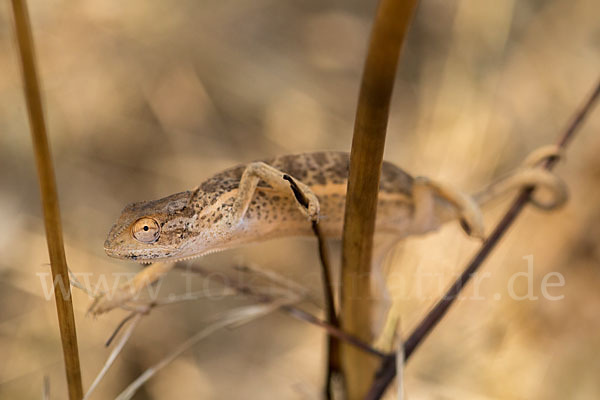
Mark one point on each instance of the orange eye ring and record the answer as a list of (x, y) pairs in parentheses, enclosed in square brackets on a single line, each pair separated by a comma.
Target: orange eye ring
[(145, 230)]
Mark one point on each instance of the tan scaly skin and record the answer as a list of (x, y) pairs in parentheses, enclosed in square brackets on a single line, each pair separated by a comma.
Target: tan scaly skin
[(253, 203)]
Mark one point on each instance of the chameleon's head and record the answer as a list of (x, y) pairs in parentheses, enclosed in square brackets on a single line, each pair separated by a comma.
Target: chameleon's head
[(152, 230)]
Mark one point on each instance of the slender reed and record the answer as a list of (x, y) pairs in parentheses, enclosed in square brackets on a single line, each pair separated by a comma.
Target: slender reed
[(58, 263), (389, 30)]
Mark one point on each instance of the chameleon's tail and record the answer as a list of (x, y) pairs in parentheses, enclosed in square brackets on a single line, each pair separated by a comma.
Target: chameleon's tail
[(530, 175)]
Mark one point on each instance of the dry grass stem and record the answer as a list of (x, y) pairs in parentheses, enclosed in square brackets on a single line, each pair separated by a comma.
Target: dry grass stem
[(389, 30), (52, 221)]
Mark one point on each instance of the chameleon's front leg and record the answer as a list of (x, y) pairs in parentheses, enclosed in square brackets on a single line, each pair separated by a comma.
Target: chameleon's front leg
[(257, 171)]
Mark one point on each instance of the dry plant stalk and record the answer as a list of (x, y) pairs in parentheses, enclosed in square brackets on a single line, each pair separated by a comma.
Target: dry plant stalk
[(60, 276), (389, 30)]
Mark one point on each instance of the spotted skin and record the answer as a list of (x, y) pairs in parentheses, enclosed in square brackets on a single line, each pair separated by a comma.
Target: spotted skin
[(194, 223)]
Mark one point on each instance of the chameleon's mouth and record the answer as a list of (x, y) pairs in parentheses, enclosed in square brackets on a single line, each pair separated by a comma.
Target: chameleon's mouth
[(124, 254), (165, 255), (169, 258), (141, 258)]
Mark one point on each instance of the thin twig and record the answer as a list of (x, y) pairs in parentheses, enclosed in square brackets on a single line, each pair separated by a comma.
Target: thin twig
[(328, 288), (388, 370), (334, 362), (119, 327), (389, 30), (333, 345), (333, 330), (58, 263)]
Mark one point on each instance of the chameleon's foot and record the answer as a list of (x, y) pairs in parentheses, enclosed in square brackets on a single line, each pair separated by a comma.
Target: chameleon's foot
[(312, 210), (131, 289), (543, 178), (307, 201), (466, 207), (105, 302)]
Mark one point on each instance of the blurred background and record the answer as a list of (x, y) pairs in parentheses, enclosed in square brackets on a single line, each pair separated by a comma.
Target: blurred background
[(148, 98)]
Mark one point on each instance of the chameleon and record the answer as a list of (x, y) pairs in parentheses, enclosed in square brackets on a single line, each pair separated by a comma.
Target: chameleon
[(255, 202)]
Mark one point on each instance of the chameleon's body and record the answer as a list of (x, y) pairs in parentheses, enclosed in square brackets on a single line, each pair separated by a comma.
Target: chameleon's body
[(255, 202), (198, 222)]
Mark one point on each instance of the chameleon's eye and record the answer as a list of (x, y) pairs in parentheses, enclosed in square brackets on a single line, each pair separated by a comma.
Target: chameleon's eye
[(146, 230)]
